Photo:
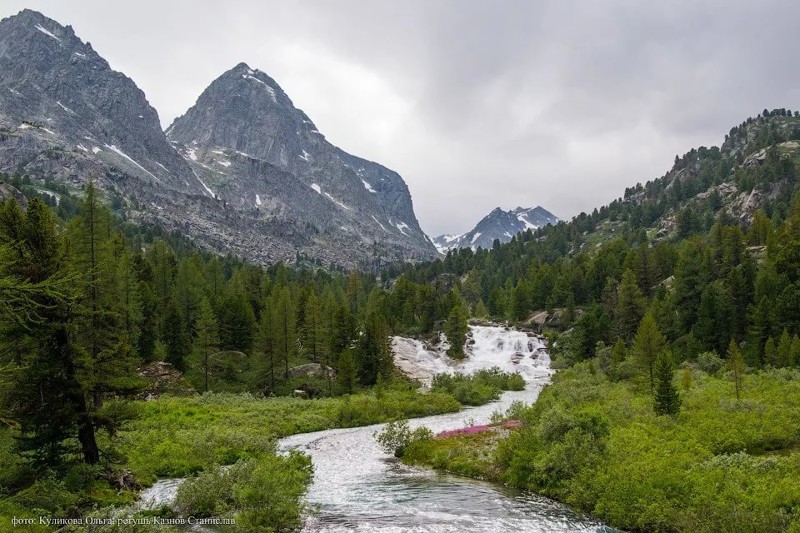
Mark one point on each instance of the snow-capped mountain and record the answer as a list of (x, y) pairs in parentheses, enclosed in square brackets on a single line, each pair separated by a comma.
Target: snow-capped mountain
[(242, 172), (500, 225)]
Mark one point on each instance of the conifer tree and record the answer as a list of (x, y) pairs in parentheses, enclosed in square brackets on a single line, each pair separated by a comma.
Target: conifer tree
[(784, 350), (456, 329), (236, 319), (285, 337), (314, 331), (736, 366), (42, 362), (176, 337), (100, 311), (264, 345), (347, 371), (630, 305), (206, 340), (770, 353), (648, 345), (374, 351), (480, 310), (794, 359), (667, 399)]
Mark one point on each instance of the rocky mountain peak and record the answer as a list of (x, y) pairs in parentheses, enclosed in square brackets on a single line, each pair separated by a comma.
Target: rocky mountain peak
[(497, 225)]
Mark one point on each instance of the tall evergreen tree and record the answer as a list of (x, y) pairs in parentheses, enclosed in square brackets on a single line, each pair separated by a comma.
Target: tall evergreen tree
[(100, 311), (456, 329), (630, 306), (667, 399), (648, 345), (45, 366), (285, 330), (264, 345), (176, 337), (206, 339)]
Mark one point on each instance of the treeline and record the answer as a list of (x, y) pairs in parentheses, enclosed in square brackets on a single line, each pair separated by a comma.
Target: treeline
[(88, 301)]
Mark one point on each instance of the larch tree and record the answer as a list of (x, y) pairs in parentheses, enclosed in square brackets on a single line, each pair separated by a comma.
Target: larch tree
[(48, 375), (285, 330), (648, 345), (206, 340), (736, 366)]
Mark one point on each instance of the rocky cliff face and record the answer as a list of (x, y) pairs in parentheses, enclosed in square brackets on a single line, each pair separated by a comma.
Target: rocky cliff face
[(500, 225), (57, 93), (256, 151), (243, 172)]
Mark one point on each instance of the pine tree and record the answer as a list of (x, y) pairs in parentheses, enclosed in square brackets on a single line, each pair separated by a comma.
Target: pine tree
[(648, 345), (347, 371), (736, 366), (667, 400), (176, 337), (285, 330), (630, 305), (784, 350), (456, 329), (206, 341)]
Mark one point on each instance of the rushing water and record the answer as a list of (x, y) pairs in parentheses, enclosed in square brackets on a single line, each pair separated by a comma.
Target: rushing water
[(357, 487)]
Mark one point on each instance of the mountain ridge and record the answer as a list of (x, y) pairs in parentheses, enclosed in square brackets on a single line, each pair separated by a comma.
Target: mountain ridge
[(66, 116), (498, 225)]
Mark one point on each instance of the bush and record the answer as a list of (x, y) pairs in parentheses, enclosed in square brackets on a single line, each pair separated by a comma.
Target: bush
[(262, 494), (710, 362), (397, 436), (480, 388)]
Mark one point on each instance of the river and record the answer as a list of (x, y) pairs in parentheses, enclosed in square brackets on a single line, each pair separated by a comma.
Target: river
[(357, 487)]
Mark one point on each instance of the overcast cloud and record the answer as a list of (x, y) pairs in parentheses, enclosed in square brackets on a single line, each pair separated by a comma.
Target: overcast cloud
[(477, 104)]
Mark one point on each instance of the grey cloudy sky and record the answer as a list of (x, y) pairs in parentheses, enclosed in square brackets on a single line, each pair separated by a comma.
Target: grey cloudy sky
[(476, 104)]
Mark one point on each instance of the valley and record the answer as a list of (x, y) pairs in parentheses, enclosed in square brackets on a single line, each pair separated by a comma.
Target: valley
[(235, 320)]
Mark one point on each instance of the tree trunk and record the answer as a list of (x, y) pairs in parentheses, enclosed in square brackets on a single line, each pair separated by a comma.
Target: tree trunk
[(86, 434)]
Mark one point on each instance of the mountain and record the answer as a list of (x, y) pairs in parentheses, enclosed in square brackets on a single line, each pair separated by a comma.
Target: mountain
[(257, 151), (500, 225), (243, 171)]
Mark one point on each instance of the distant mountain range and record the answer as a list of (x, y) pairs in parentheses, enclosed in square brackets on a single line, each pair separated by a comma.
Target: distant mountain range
[(242, 172), (500, 225)]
